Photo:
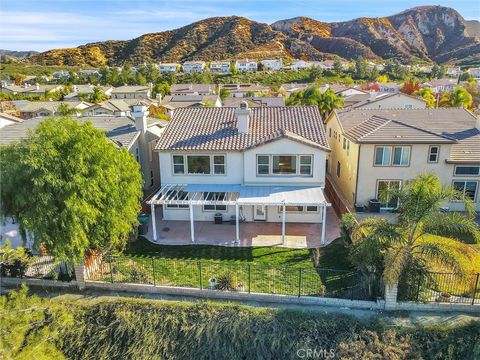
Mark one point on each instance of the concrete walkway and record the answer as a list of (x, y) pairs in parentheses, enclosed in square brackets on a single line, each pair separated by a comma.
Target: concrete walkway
[(298, 235)]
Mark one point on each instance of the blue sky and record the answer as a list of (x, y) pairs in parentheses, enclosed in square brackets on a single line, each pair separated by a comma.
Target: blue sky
[(47, 24)]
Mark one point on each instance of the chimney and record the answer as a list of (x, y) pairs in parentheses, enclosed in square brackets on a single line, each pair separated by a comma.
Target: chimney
[(242, 114), (373, 95), (75, 88), (37, 86), (140, 114), (477, 123)]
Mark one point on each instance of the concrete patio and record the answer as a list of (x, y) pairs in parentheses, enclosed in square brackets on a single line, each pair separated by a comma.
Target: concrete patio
[(298, 235)]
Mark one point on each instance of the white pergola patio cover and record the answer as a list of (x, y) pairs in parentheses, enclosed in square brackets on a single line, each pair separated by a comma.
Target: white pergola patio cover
[(239, 195)]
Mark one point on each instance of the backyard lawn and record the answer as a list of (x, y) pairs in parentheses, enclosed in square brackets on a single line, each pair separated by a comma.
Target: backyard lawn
[(273, 270)]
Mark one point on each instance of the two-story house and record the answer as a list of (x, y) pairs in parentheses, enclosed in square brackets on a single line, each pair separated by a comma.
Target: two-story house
[(272, 64), (246, 65), (222, 67), (263, 164), (439, 86), (193, 66), (169, 68), (388, 101), (376, 150), (131, 92), (192, 89)]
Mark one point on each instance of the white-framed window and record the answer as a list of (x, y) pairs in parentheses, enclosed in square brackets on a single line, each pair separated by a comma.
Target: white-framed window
[(384, 193), (461, 170), (214, 196), (467, 188), (382, 155), (178, 195), (401, 155), (433, 153), (178, 164), (198, 164), (279, 165), (299, 209)]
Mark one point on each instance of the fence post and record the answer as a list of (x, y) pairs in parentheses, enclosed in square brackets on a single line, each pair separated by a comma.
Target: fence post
[(153, 269), (200, 275), (79, 270), (391, 292), (111, 268), (299, 282), (249, 275), (475, 289)]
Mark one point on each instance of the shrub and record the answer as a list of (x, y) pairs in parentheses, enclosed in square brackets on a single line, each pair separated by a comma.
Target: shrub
[(227, 281), (14, 262)]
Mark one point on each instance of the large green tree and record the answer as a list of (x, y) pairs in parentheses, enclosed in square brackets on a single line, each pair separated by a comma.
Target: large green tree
[(424, 234), (71, 187), (461, 98), (326, 101)]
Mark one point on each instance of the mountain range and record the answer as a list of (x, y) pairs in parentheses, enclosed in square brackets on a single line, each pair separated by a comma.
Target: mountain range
[(428, 33)]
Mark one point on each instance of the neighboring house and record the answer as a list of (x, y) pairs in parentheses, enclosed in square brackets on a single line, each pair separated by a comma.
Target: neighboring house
[(49, 108), (290, 88), (61, 75), (326, 64), (391, 101), (222, 67), (343, 90), (439, 86), (377, 150), (169, 68), (241, 90), (390, 87), (28, 89), (475, 72), (272, 64), (7, 119), (170, 103), (112, 107), (263, 164), (89, 72), (86, 90), (138, 134), (455, 71), (192, 89), (193, 66), (301, 65), (131, 92), (254, 101), (246, 65)]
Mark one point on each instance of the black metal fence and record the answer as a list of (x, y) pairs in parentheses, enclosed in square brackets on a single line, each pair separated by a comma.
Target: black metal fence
[(441, 288), (38, 267), (243, 277)]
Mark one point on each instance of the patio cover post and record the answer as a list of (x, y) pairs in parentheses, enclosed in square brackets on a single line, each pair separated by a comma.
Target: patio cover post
[(237, 222), (154, 221), (192, 226), (324, 223), (283, 224)]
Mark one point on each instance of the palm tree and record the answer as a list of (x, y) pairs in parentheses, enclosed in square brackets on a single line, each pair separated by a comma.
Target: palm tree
[(326, 101), (424, 235)]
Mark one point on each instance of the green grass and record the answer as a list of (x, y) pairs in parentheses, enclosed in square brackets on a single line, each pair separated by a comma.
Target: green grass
[(256, 269)]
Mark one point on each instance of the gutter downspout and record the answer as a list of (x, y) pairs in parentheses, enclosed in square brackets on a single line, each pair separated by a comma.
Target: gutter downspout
[(356, 180)]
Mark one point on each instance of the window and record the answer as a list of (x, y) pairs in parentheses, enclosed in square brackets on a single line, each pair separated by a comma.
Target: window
[(433, 152), (305, 165), (214, 196), (384, 193), (263, 164), (467, 170), (468, 188), (150, 150), (219, 165), (330, 132), (177, 195), (137, 154), (151, 178), (198, 164), (382, 155), (344, 144), (284, 164), (401, 155), (178, 164), (299, 209), (338, 168), (348, 147)]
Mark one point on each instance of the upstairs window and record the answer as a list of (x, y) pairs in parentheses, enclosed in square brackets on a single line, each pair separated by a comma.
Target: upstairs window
[(338, 169), (305, 165), (219, 164), (401, 155), (467, 170), (392, 156), (284, 165), (178, 164), (263, 165), (382, 155), (433, 153), (198, 164)]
